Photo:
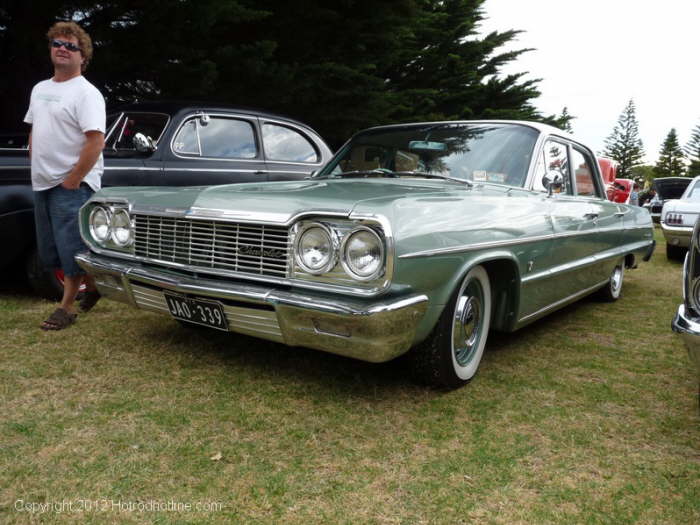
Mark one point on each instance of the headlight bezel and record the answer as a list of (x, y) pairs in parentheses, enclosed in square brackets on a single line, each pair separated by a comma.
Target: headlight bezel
[(93, 229), (121, 211), (112, 210), (344, 259), (333, 248)]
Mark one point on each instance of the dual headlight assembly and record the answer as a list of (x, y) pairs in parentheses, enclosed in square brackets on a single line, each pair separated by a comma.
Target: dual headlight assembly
[(361, 251), (111, 226)]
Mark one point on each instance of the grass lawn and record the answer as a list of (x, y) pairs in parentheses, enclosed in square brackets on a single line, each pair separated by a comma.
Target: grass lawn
[(587, 416)]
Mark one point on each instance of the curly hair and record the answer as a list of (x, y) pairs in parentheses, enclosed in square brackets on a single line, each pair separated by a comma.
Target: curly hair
[(72, 29)]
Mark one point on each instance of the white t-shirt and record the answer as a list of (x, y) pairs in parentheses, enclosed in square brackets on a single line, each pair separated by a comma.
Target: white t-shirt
[(60, 113)]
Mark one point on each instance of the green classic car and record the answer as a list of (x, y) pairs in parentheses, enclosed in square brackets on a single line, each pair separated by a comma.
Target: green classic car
[(417, 238)]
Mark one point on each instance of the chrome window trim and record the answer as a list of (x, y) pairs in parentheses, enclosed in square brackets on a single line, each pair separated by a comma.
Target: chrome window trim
[(302, 131), (250, 119), (15, 167)]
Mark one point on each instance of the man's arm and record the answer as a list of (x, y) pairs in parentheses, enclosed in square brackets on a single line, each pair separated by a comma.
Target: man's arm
[(94, 143)]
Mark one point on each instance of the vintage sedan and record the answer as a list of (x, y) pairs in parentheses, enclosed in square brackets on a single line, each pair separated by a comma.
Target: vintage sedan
[(678, 217), (687, 319), (415, 237)]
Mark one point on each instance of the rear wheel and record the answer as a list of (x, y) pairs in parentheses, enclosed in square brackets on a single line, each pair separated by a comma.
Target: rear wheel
[(47, 283), (44, 282), (451, 355), (675, 253), (611, 292)]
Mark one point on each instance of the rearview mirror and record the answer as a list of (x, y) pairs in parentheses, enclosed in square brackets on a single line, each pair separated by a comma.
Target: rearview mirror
[(424, 145)]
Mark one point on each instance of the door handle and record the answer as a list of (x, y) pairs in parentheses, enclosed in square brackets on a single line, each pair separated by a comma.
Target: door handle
[(591, 215), (260, 172), (621, 213)]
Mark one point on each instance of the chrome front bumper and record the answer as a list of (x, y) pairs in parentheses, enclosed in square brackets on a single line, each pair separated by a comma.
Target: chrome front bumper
[(689, 328), (371, 331), (677, 235)]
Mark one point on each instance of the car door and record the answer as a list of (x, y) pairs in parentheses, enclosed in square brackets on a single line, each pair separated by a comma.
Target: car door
[(290, 151), (574, 225), (607, 217), (210, 149)]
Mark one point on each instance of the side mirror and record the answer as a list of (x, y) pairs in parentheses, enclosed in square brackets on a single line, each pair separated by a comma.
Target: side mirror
[(143, 144), (553, 182)]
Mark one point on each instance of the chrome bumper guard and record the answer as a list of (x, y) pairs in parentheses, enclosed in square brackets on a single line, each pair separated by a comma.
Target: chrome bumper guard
[(689, 328), (370, 331)]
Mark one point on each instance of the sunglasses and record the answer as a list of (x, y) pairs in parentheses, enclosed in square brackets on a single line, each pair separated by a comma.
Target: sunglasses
[(68, 45)]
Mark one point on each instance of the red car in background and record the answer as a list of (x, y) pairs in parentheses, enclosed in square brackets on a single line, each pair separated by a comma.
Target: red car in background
[(617, 190)]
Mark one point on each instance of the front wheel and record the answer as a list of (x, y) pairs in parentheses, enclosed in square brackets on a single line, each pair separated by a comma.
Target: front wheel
[(451, 354)]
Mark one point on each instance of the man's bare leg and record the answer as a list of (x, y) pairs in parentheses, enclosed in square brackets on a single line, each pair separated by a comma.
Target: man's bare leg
[(71, 285)]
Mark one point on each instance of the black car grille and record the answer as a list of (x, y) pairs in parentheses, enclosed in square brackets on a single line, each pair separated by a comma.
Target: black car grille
[(247, 248)]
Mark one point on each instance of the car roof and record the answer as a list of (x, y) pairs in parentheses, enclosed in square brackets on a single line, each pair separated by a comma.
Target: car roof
[(172, 107)]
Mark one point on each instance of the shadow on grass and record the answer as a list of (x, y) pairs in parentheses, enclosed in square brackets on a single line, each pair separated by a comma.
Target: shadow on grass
[(326, 374)]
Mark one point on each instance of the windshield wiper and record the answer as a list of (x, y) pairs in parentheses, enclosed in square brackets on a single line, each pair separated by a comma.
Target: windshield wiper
[(383, 172), (428, 175)]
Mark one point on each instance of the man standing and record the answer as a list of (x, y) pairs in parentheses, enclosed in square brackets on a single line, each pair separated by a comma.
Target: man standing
[(67, 115)]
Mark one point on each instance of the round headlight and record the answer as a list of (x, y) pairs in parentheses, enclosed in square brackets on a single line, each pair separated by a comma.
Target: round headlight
[(99, 224), (314, 249), (121, 227), (363, 254)]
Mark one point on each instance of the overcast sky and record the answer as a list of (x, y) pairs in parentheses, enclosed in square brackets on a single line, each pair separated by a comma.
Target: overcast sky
[(594, 55)]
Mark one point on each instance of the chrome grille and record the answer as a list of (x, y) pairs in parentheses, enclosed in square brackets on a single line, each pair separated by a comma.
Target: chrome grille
[(248, 248)]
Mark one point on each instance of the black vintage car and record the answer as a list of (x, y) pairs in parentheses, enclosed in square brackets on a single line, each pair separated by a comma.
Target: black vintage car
[(162, 144)]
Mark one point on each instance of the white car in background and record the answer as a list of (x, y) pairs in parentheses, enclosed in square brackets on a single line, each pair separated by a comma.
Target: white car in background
[(678, 217)]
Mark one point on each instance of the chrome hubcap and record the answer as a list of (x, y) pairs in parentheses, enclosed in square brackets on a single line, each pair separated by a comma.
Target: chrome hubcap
[(616, 279), (466, 327)]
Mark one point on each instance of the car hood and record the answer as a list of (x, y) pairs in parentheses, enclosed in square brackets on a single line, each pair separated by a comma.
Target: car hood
[(671, 187), (282, 201)]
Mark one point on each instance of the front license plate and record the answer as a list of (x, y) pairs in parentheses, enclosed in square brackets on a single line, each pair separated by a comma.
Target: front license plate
[(198, 311)]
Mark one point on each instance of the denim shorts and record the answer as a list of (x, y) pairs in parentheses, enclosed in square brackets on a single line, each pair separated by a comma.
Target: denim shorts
[(57, 233)]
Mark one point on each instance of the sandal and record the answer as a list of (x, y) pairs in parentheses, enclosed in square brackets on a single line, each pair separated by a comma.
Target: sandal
[(89, 300), (58, 320)]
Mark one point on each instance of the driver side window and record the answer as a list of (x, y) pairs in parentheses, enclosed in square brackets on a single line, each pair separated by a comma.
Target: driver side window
[(554, 157)]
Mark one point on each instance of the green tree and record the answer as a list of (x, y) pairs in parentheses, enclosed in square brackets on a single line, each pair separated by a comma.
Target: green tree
[(671, 157), (340, 66), (565, 119), (692, 150), (624, 144)]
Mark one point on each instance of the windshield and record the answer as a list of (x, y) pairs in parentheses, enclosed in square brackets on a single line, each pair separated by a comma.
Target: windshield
[(694, 193), (497, 153)]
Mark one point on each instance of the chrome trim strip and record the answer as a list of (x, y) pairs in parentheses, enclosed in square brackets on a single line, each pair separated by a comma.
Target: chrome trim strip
[(562, 302), (508, 242), (224, 170), (134, 168), (26, 166)]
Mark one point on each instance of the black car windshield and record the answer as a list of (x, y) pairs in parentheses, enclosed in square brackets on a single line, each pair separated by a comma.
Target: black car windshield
[(478, 152)]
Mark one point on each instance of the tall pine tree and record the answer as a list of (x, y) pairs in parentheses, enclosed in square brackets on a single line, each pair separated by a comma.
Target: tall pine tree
[(624, 144), (670, 163), (692, 150)]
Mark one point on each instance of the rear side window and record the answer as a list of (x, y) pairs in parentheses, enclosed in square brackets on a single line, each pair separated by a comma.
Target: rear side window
[(216, 137), (285, 144), (583, 174)]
